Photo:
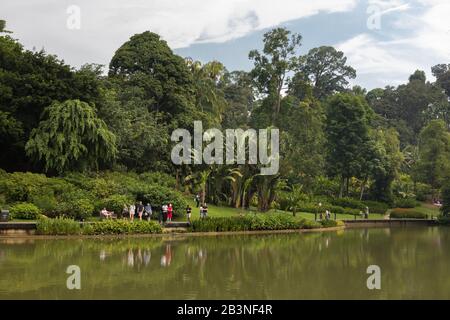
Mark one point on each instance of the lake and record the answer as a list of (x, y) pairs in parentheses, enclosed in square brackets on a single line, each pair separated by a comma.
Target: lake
[(414, 263)]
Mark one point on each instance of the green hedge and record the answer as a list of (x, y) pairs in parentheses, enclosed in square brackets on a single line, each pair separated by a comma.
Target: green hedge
[(58, 226), (257, 222), (374, 206), (67, 226), (122, 227), (400, 213), (313, 208), (24, 210), (406, 203)]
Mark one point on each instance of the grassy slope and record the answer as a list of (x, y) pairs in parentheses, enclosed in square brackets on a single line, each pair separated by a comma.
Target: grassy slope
[(215, 211), (428, 209)]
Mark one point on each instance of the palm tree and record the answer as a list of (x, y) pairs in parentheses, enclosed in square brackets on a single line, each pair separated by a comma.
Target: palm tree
[(200, 179), (294, 196), (206, 78)]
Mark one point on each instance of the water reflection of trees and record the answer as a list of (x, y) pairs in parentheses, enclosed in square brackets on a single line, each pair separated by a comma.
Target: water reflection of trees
[(414, 263)]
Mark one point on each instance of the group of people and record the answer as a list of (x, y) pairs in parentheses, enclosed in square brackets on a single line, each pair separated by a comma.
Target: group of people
[(203, 207), (141, 211), (137, 209)]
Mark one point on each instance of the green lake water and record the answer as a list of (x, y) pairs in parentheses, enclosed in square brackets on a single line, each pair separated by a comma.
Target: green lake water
[(414, 262)]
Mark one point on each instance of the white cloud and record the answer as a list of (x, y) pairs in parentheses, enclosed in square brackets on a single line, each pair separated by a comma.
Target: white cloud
[(105, 25), (387, 62)]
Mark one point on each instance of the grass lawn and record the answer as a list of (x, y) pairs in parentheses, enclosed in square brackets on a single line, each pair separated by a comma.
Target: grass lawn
[(428, 209), (216, 211)]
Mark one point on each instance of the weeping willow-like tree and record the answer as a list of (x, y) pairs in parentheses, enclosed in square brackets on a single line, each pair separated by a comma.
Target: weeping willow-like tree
[(71, 137)]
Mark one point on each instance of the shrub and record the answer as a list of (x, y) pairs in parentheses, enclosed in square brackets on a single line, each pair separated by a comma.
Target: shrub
[(376, 206), (445, 192), (26, 186), (158, 195), (348, 203), (400, 213), (330, 223), (78, 209), (444, 220), (115, 203), (58, 226), (24, 210), (313, 208), (252, 223), (406, 203), (48, 204), (311, 224), (158, 178), (423, 191), (123, 227)]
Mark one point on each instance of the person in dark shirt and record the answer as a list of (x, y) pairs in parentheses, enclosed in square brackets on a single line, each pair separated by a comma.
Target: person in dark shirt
[(188, 213), (140, 210)]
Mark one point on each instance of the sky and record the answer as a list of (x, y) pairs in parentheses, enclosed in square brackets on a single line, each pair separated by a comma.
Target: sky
[(384, 40)]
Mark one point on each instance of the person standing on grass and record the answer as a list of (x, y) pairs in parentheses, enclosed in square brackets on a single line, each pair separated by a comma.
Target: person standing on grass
[(169, 212), (140, 210), (201, 211), (125, 211), (132, 211), (188, 213), (205, 211), (197, 200), (164, 212), (148, 211)]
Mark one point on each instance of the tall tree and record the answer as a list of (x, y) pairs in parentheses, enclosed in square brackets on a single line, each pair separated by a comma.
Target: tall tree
[(327, 70), (347, 131), (71, 137), (238, 92), (272, 66), (433, 166), (29, 82), (208, 96), (162, 78)]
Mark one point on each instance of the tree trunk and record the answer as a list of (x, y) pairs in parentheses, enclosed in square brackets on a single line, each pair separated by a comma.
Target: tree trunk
[(341, 191), (363, 186)]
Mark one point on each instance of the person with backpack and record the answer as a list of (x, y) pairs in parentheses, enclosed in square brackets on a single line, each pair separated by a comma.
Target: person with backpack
[(148, 211)]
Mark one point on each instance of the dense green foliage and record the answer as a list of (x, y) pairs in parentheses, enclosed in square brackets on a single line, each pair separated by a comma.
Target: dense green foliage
[(445, 209), (80, 196), (122, 227), (26, 211), (58, 226), (104, 139), (250, 223), (70, 136), (65, 226)]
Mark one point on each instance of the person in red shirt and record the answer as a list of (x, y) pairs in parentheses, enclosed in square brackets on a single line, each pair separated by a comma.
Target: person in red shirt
[(169, 212)]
